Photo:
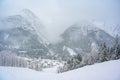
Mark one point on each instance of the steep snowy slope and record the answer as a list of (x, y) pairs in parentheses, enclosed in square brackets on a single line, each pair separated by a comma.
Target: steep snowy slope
[(27, 20), (102, 71), (23, 33), (36, 24)]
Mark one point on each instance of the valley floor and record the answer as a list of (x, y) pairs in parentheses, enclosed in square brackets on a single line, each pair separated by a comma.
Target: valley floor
[(103, 71)]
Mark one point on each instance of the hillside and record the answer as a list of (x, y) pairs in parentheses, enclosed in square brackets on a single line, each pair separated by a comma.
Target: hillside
[(102, 71)]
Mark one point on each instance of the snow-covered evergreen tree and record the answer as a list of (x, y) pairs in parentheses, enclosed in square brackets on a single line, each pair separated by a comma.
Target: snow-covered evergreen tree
[(115, 50), (71, 64)]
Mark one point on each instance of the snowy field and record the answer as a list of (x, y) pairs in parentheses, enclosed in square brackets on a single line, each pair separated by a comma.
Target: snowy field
[(103, 71)]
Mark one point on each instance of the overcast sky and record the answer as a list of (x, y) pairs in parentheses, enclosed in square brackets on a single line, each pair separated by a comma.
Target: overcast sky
[(57, 15)]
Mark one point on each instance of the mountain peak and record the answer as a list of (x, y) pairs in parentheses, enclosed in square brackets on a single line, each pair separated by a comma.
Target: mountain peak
[(28, 13), (82, 27)]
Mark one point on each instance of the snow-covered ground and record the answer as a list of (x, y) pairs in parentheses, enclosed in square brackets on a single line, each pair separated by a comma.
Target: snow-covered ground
[(50, 70), (103, 71)]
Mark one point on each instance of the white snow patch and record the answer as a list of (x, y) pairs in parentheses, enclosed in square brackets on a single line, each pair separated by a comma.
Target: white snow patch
[(50, 70), (94, 46), (6, 36), (103, 71), (71, 51)]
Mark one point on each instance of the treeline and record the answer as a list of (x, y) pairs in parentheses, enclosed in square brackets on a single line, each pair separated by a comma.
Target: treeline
[(9, 58), (102, 54)]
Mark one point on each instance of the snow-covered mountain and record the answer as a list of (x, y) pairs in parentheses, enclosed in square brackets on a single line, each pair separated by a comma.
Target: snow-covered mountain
[(82, 38), (24, 34), (116, 30), (112, 29), (27, 20)]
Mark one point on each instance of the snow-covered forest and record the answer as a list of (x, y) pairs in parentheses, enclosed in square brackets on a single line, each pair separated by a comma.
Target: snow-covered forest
[(102, 54), (10, 59)]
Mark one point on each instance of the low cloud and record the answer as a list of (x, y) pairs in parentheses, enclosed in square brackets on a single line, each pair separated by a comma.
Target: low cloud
[(57, 15)]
